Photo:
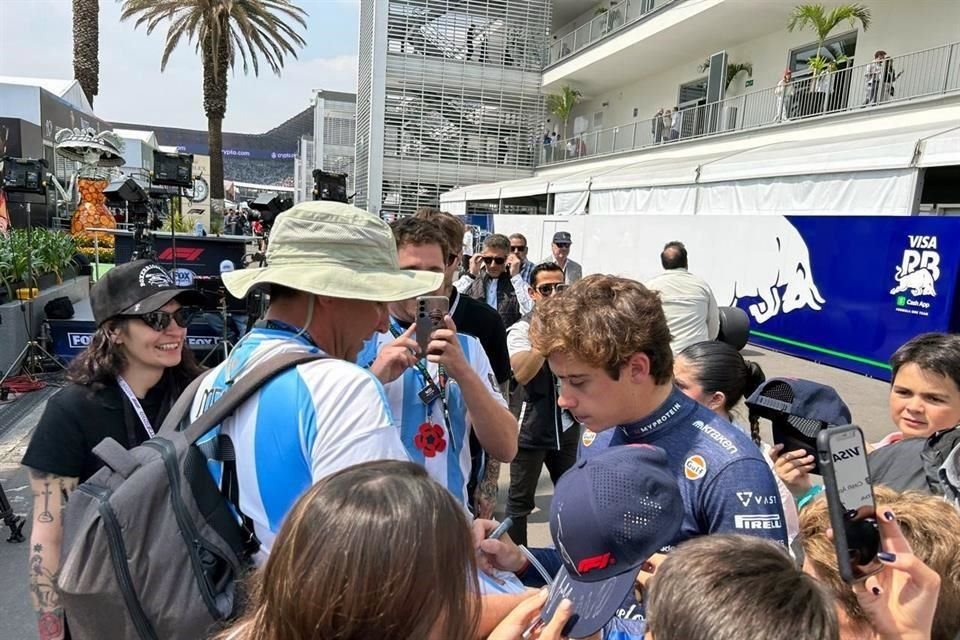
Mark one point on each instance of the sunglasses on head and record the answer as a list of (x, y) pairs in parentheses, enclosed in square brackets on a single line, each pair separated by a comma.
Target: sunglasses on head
[(493, 259), (548, 289), (160, 320), (517, 249)]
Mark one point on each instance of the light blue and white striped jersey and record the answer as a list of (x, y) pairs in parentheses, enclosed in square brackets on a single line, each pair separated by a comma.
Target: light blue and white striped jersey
[(444, 451), (303, 425)]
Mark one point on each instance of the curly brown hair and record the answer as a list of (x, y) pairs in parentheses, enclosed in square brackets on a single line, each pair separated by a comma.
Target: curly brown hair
[(930, 525), (603, 321)]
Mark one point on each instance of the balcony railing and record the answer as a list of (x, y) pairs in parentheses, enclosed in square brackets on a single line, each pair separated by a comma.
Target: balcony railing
[(617, 17), (866, 86)]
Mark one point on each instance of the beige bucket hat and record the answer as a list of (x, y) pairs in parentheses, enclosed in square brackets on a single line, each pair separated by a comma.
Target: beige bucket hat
[(334, 249)]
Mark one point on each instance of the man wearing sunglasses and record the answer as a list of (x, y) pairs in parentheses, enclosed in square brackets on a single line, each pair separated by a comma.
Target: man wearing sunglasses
[(518, 260), (548, 434), (492, 280), (560, 248)]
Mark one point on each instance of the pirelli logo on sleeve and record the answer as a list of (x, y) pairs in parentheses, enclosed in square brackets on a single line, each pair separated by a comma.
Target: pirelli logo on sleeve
[(768, 521)]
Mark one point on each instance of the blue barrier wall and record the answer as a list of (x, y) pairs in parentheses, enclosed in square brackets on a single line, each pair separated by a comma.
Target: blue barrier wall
[(882, 280)]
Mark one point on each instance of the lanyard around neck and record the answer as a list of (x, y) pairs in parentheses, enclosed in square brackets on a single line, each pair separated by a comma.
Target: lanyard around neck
[(137, 408), (428, 379)]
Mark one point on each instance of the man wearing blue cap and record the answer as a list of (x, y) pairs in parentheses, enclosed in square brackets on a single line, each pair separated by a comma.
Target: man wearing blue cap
[(560, 255)]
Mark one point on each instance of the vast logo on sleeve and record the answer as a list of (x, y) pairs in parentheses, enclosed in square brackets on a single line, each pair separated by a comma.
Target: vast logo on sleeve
[(916, 276)]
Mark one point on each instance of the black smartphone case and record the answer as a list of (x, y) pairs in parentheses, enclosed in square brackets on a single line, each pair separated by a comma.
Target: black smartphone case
[(825, 460)]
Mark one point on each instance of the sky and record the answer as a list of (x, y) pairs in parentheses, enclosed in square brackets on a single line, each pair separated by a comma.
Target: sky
[(37, 37)]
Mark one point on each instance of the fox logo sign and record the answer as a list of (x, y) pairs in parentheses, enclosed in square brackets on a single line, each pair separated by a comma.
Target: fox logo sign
[(920, 267)]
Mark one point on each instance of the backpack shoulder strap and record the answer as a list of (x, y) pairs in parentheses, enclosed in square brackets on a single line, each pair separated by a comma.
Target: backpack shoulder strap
[(238, 392)]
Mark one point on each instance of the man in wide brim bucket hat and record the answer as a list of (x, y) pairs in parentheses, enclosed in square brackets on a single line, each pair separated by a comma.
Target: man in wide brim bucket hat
[(331, 270), (334, 249)]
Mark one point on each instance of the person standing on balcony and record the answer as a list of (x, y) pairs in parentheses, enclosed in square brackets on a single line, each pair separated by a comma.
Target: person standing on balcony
[(675, 120), (656, 126), (471, 35), (784, 93), (875, 75), (666, 121)]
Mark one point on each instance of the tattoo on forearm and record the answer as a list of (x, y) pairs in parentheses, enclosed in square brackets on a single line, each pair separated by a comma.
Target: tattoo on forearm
[(43, 582), (45, 516), (50, 624)]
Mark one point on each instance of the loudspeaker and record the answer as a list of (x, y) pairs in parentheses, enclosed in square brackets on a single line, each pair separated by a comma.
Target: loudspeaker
[(173, 169), (127, 190), (267, 203), (24, 175)]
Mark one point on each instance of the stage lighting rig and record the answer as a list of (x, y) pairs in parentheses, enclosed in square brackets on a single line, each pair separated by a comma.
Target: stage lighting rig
[(329, 186), (25, 175), (267, 207)]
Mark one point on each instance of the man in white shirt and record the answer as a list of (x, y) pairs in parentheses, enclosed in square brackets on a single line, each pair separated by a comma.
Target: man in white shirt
[(692, 312)]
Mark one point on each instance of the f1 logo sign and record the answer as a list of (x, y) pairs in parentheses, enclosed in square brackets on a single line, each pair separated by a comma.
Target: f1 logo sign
[(601, 561), (187, 254)]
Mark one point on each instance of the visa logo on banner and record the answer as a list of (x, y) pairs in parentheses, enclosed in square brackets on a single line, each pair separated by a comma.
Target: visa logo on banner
[(916, 276)]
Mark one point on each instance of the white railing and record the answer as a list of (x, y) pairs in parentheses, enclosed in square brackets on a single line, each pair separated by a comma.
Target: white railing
[(924, 73), (614, 19)]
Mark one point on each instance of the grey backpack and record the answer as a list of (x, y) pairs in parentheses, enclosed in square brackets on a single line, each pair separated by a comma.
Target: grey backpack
[(152, 548)]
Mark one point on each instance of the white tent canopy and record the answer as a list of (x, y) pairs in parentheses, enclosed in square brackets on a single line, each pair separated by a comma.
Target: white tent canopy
[(941, 149), (863, 173)]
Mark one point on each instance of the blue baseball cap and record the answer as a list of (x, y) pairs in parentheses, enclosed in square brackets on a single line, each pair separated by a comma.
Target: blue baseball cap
[(799, 398), (609, 514)]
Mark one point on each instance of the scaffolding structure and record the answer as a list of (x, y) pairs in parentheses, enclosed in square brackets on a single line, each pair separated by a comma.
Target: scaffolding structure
[(448, 95)]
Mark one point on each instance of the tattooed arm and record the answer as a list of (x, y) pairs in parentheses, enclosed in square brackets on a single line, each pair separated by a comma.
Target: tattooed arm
[(50, 493)]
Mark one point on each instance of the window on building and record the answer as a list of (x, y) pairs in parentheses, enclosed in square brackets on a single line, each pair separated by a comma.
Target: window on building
[(812, 96)]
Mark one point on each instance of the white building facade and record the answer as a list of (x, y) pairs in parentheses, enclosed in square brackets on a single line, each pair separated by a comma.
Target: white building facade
[(332, 145), (656, 133), (449, 94)]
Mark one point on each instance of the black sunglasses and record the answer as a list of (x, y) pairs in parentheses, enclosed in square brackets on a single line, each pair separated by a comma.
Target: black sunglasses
[(517, 249), (493, 259), (562, 245), (548, 289), (160, 320)]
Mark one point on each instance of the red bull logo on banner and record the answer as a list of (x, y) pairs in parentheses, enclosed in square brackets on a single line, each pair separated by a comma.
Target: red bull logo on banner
[(916, 276)]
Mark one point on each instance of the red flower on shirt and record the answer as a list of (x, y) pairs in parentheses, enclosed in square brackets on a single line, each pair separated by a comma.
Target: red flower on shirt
[(429, 439)]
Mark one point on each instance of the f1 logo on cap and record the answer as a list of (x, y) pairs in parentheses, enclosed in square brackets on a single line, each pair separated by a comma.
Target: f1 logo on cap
[(601, 561)]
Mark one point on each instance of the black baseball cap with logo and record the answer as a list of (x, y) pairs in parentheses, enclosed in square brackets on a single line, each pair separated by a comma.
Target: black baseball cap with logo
[(562, 237), (136, 288), (609, 514)]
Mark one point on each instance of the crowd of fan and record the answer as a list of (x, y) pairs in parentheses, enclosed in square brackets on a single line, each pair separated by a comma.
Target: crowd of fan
[(270, 172), (361, 475)]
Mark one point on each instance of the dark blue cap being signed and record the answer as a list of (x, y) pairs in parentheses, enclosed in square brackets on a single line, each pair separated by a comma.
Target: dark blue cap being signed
[(609, 514)]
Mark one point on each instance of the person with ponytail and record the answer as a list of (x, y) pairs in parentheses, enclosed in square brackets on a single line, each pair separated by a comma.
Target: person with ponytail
[(716, 375), (121, 386)]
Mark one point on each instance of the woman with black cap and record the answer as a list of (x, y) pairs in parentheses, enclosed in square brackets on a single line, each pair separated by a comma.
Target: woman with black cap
[(122, 387)]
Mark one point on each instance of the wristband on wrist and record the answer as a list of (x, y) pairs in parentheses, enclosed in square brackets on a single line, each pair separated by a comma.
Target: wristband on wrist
[(520, 572), (811, 493)]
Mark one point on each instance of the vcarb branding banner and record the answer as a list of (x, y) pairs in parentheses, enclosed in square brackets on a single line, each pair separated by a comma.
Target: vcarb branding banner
[(844, 290), (884, 280)]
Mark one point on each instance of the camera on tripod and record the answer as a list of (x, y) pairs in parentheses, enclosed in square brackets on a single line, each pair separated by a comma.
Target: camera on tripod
[(267, 207), (329, 186), (140, 211)]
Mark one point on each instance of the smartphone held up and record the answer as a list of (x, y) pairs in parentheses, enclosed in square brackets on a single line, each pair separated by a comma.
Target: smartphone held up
[(842, 454), (430, 313)]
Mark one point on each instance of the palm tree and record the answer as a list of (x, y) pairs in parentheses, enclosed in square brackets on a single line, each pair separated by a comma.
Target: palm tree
[(733, 70), (562, 104), (222, 29), (816, 17), (86, 46)]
